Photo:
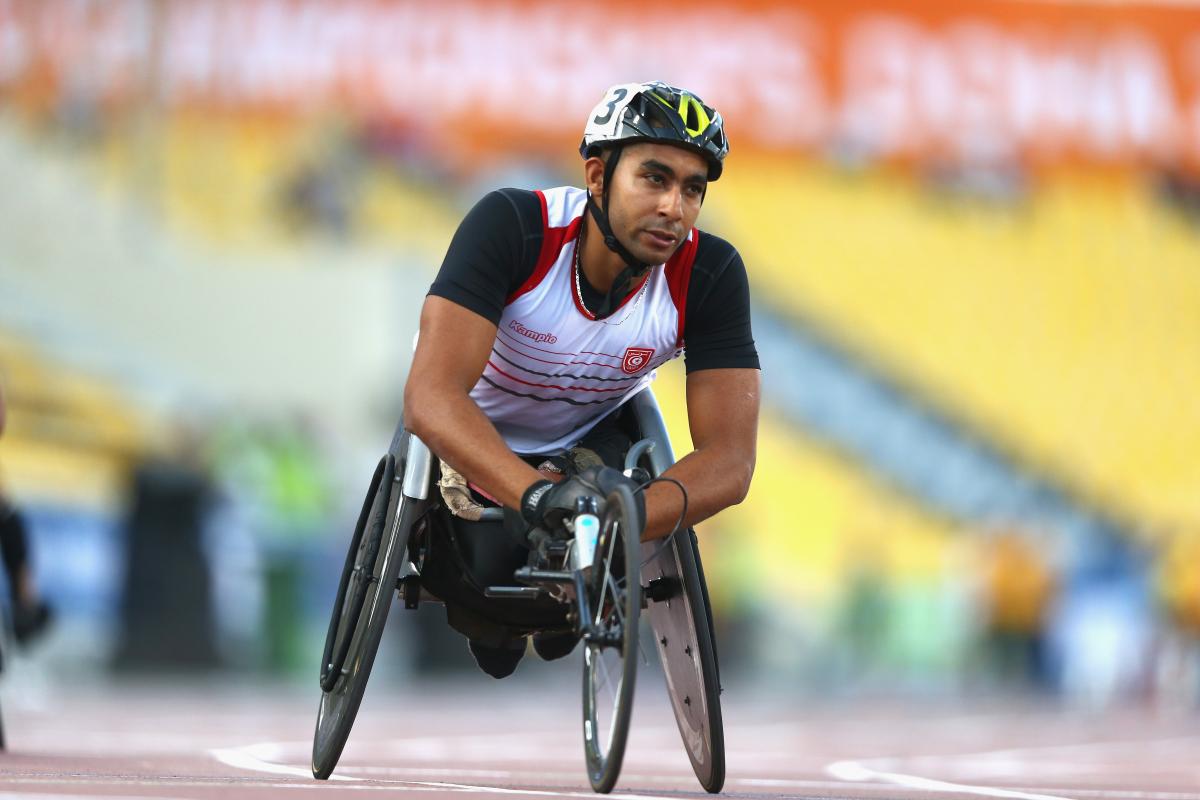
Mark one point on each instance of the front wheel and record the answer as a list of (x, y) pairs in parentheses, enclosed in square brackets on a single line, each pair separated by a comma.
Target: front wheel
[(611, 649), (373, 566)]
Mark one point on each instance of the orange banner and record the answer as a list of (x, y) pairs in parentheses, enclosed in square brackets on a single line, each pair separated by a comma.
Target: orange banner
[(1041, 82)]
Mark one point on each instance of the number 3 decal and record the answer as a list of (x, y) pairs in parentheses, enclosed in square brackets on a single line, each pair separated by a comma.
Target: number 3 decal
[(618, 95)]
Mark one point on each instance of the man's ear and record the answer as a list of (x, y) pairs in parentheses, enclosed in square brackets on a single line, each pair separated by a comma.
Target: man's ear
[(593, 175)]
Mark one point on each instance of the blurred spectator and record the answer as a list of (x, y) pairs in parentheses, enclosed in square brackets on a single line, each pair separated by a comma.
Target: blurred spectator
[(322, 193), (30, 613), (1178, 657), (275, 475), (167, 609), (1180, 190), (1100, 630), (1018, 589)]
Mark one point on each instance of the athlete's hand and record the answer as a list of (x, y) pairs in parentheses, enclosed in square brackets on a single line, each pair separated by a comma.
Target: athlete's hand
[(545, 504), (605, 480)]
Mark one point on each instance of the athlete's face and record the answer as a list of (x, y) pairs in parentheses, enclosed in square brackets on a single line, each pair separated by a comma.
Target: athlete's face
[(655, 198)]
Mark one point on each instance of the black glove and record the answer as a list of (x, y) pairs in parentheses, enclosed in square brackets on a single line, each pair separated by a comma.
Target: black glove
[(545, 503), (605, 480), (543, 506)]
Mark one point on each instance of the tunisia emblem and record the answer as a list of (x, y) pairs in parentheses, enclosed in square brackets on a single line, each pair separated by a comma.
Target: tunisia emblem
[(635, 359)]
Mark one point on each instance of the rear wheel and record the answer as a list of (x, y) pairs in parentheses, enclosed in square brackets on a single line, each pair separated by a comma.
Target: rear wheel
[(682, 624), (610, 653), (360, 611)]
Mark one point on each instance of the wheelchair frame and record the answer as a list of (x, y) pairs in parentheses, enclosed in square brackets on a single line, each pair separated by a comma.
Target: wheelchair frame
[(674, 598)]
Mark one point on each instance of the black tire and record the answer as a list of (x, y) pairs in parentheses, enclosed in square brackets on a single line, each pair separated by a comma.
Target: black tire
[(615, 598), (360, 614), (352, 589)]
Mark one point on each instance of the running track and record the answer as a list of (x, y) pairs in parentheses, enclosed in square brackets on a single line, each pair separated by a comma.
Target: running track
[(482, 739)]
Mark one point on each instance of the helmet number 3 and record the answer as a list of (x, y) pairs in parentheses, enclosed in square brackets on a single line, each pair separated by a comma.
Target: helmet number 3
[(618, 95)]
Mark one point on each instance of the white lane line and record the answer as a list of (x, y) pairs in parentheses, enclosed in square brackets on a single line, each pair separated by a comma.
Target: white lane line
[(541, 792), (255, 758), (627, 777), (860, 771), (215, 783), (248, 758), (856, 771), (1122, 794)]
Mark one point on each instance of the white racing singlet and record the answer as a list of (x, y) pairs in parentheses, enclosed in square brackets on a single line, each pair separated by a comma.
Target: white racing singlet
[(554, 370)]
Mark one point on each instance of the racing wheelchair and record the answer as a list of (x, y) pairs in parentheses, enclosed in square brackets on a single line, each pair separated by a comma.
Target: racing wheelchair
[(588, 573)]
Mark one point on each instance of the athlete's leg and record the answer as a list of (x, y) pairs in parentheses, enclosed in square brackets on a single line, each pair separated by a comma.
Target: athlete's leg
[(489, 558)]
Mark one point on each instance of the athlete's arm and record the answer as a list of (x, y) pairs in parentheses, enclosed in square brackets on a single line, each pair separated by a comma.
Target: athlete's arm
[(723, 387), (451, 353), (723, 416), (492, 252)]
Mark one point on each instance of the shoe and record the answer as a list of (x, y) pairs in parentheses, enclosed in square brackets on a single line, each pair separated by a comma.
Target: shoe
[(499, 662), (550, 646), (30, 622)]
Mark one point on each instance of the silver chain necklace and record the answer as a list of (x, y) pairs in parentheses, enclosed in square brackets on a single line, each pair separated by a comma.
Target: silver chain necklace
[(578, 288), (579, 269)]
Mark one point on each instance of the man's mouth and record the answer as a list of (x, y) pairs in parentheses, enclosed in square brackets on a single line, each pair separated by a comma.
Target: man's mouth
[(662, 238)]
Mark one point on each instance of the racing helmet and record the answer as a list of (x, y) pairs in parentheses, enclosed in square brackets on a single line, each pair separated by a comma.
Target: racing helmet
[(656, 112)]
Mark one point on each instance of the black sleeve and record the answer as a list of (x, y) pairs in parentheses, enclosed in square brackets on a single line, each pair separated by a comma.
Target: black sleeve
[(716, 329), (493, 252)]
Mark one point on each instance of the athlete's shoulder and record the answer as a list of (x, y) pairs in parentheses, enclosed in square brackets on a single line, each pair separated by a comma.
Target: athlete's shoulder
[(561, 204), (504, 204), (715, 254)]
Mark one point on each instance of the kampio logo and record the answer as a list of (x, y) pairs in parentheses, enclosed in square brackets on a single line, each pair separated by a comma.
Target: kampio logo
[(635, 359), (537, 336)]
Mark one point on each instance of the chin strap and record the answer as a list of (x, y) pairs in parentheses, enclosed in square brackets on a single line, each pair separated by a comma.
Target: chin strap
[(634, 269)]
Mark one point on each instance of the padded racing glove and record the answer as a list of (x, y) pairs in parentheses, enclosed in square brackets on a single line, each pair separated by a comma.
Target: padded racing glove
[(545, 503)]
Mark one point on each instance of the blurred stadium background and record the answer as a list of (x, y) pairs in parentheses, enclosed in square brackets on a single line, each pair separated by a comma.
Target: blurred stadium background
[(973, 233)]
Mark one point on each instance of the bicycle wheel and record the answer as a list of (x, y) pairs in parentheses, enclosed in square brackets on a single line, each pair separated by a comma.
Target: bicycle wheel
[(369, 581), (610, 653)]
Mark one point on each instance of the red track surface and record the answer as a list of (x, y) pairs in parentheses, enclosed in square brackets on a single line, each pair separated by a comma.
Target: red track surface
[(482, 738)]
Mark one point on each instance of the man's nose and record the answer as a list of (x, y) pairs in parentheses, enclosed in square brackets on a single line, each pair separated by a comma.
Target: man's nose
[(670, 205)]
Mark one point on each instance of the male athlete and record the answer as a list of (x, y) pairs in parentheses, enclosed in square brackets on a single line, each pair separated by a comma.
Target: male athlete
[(553, 308)]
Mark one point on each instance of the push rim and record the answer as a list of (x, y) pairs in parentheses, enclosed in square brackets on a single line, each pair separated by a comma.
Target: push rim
[(355, 580)]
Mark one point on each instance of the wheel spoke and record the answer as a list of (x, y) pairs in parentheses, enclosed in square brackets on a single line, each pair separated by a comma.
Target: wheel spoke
[(604, 586), (607, 680), (620, 612)]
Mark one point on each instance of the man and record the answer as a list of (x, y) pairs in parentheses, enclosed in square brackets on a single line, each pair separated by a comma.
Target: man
[(553, 308), (30, 614)]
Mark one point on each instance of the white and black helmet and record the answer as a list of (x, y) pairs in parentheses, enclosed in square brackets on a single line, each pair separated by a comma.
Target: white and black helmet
[(656, 112), (645, 112)]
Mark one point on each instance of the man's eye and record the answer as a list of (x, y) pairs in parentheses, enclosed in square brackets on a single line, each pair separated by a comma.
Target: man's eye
[(654, 178)]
